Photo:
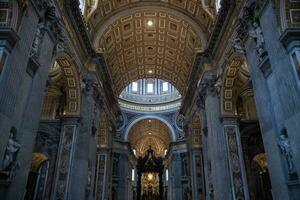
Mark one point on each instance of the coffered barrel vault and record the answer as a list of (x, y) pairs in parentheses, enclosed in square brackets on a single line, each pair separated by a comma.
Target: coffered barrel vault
[(149, 44), (202, 12)]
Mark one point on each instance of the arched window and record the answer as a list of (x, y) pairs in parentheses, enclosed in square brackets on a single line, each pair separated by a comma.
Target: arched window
[(135, 87), (165, 87), (150, 86)]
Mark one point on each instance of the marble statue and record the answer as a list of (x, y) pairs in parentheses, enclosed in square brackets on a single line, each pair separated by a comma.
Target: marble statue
[(9, 164), (35, 48), (219, 81), (257, 34), (285, 147)]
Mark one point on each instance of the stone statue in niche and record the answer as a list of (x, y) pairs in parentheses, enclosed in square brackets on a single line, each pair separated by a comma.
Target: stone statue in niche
[(285, 148), (35, 47), (258, 36), (9, 164), (61, 103)]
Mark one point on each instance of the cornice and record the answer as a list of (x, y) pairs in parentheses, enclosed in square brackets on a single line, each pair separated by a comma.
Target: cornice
[(227, 7), (80, 25)]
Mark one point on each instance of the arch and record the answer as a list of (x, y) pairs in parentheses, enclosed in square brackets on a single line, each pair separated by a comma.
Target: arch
[(136, 120), (261, 161), (73, 93), (233, 69), (37, 160)]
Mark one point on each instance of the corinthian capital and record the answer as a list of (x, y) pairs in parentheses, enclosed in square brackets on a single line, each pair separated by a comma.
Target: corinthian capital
[(209, 84)]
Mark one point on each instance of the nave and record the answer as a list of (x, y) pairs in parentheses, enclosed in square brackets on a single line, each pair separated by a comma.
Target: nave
[(149, 99)]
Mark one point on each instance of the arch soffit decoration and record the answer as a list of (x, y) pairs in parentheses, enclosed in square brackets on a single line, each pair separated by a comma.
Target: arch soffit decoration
[(229, 92), (71, 75), (166, 49), (163, 136), (140, 118)]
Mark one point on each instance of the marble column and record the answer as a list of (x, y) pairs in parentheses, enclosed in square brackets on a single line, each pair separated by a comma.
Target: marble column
[(84, 163), (177, 190), (235, 158), (197, 180), (218, 180), (206, 162)]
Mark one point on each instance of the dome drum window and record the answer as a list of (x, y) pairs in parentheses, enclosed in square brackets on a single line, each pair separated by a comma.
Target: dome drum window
[(150, 91)]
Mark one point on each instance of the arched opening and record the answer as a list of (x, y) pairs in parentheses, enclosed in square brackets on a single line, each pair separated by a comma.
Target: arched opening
[(38, 177), (238, 100), (149, 141), (150, 132), (61, 99)]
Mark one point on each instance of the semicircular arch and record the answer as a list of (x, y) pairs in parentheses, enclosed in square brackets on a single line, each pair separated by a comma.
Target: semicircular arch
[(234, 68), (73, 94), (150, 117)]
